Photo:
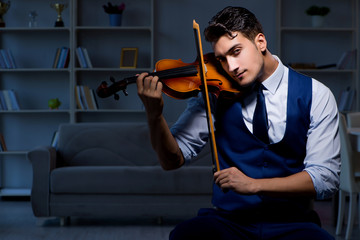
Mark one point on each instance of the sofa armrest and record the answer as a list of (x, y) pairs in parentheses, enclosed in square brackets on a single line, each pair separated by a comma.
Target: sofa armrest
[(43, 160)]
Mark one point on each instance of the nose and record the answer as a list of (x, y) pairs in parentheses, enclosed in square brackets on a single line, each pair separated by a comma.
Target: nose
[(232, 64)]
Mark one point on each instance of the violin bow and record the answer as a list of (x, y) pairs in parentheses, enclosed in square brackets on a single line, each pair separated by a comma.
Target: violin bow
[(215, 159)]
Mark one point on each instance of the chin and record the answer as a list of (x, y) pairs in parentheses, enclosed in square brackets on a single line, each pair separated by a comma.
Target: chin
[(243, 83)]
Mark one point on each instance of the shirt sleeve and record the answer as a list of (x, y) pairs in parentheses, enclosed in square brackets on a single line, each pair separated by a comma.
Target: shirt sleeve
[(322, 160), (191, 129)]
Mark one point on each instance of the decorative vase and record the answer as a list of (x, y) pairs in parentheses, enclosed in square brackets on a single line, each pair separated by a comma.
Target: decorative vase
[(317, 21), (115, 19)]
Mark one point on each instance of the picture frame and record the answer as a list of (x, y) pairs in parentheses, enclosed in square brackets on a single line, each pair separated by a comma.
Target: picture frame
[(128, 57)]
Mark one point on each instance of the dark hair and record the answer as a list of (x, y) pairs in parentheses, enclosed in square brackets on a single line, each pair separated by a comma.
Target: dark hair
[(230, 20)]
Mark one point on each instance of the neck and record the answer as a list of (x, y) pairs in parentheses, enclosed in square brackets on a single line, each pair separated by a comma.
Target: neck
[(270, 65)]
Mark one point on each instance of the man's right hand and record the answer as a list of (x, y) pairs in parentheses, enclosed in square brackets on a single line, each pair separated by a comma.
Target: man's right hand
[(150, 93)]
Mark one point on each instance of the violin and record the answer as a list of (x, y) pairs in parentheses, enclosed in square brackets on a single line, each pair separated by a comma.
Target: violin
[(180, 80)]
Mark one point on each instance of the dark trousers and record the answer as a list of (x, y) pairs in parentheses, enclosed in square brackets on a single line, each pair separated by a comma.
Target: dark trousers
[(211, 224)]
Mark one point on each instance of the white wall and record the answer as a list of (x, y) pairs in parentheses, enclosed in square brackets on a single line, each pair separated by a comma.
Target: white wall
[(174, 38)]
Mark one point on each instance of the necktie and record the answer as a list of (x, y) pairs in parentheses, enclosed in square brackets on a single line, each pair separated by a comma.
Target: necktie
[(260, 124)]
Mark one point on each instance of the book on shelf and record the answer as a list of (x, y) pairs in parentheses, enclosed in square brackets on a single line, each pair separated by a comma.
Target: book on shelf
[(2, 143), (347, 60), (55, 139), (85, 98), (89, 101), (62, 58), (7, 60), (346, 100), (79, 101), (56, 59), (93, 98), (3, 105), (87, 58), (8, 100), (83, 57)]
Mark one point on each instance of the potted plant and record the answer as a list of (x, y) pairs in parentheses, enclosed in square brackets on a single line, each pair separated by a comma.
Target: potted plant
[(115, 13), (54, 103), (317, 14)]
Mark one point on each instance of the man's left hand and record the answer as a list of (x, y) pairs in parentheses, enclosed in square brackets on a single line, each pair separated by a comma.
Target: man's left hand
[(232, 178)]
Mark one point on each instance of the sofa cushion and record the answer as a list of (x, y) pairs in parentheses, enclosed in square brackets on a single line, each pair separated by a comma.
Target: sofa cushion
[(99, 144), (131, 180)]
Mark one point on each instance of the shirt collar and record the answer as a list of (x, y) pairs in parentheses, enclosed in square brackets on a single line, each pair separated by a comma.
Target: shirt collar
[(272, 83)]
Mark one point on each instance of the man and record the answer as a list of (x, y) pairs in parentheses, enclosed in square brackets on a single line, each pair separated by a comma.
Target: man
[(266, 182)]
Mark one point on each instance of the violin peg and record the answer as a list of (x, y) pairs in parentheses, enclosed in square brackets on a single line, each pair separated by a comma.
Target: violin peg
[(116, 96), (112, 79), (125, 92)]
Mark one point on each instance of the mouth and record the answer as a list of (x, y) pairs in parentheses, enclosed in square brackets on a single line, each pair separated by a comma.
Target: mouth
[(240, 75)]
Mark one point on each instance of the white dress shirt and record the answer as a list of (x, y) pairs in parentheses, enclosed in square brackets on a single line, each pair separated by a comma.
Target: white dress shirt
[(322, 160)]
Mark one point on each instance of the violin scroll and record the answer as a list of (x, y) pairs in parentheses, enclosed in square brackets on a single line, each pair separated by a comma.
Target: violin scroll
[(105, 91)]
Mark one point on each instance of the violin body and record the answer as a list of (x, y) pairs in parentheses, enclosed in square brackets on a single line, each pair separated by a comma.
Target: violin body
[(180, 80), (185, 87)]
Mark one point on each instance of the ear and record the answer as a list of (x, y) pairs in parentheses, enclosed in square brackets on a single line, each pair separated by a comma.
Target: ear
[(260, 42)]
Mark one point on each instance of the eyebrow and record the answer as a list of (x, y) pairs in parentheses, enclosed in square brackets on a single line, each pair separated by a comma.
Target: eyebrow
[(229, 51)]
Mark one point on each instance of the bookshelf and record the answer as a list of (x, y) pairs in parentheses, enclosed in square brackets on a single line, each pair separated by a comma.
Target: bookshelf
[(300, 42), (35, 81)]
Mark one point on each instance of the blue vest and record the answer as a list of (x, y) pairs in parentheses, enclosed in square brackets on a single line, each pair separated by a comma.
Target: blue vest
[(238, 147)]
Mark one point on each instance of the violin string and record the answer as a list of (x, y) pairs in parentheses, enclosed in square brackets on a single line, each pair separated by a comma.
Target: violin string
[(175, 72), (178, 72), (169, 73)]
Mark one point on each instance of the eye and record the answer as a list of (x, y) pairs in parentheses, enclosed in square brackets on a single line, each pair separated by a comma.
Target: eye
[(236, 51)]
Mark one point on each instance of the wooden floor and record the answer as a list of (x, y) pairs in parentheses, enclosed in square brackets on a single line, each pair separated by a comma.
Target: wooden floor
[(18, 223)]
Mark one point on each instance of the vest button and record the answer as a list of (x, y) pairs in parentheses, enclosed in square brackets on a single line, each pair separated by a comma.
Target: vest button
[(265, 164)]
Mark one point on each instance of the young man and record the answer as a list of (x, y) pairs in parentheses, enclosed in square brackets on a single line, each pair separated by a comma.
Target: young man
[(266, 182)]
